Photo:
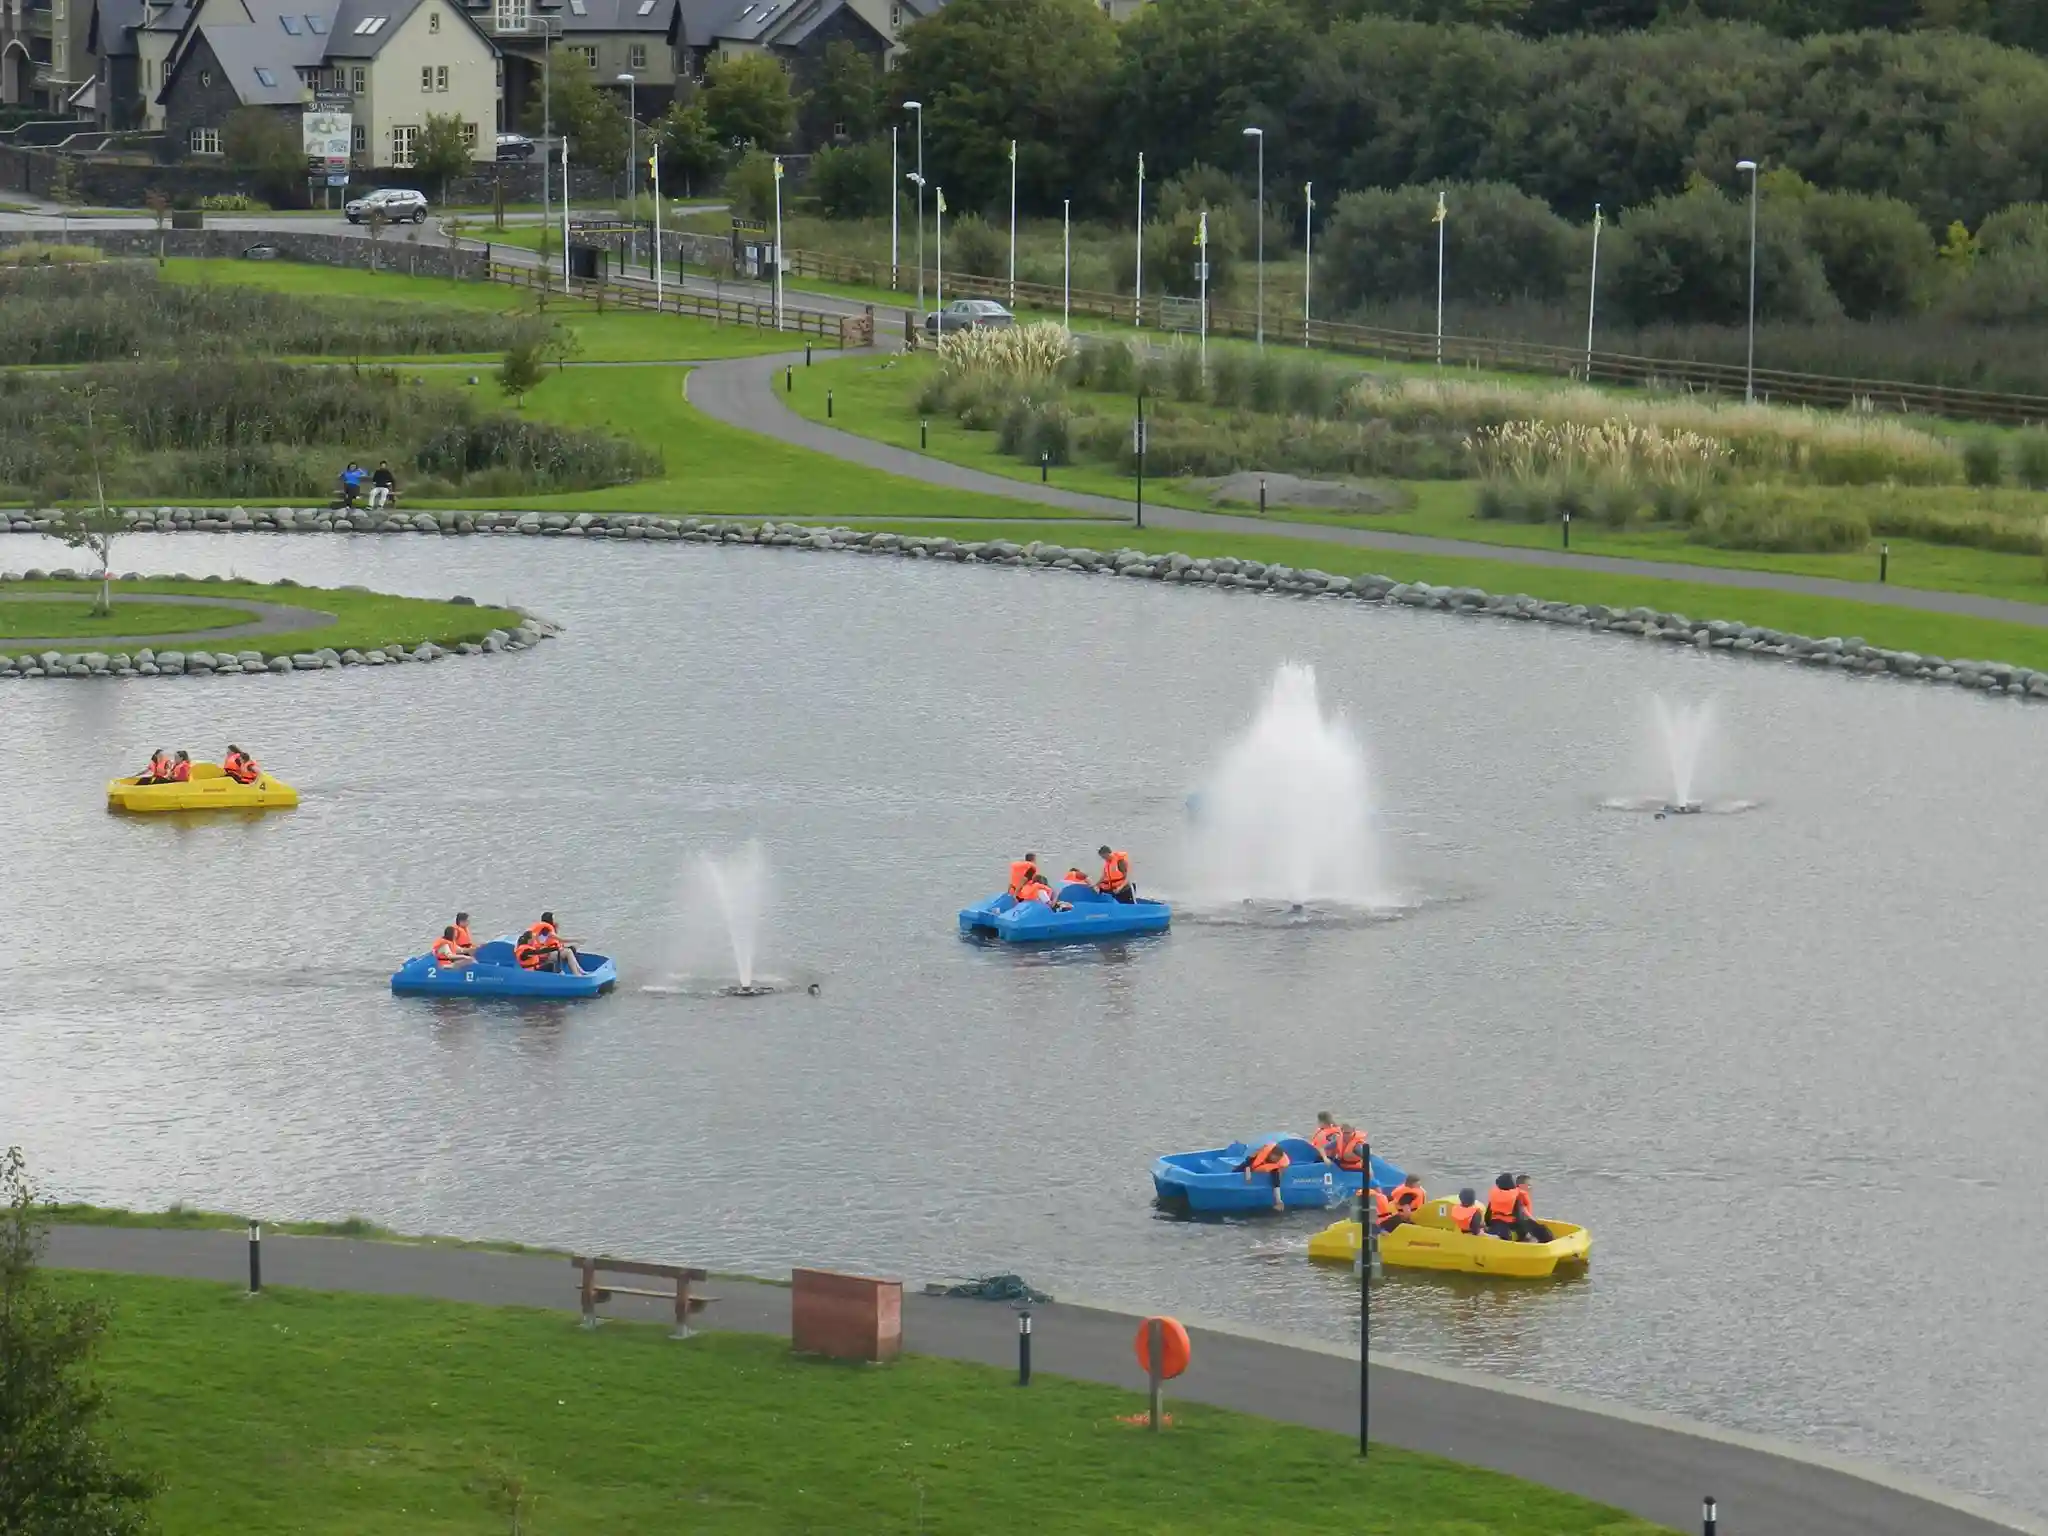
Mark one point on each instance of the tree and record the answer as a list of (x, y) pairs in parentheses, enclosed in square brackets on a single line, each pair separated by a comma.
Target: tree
[(748, 102), (690, 152), (260, 144), (442, 152), (583, 111), (81, 453), (526, 360), (851, 181), (1877, 255), (1685, 260), (842, 97), (750, 185), (1499, 244), (56, 1478), (990, 71)]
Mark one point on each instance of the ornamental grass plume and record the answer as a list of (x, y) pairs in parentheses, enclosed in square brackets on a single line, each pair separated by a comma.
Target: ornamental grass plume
[(1035, 351)]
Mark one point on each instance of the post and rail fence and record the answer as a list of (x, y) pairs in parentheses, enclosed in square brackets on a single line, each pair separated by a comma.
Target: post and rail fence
[(845, 331), (1169, 312)]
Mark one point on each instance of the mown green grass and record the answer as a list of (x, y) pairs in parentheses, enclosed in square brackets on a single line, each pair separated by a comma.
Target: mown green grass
[(1936, 634), (62, 619), (328, 1414), (613, 336), (711, 469), (361, 620), (183, 1218)]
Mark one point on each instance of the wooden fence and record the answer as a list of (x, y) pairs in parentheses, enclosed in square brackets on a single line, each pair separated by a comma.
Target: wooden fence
[(839, 330), (1779, 386)]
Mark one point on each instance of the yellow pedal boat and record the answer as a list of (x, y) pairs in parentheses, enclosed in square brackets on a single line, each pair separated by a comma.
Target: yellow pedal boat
[(1432, 1241), (209, 789)]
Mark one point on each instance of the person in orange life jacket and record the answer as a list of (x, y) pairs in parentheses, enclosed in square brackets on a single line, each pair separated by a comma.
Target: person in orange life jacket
[(1409, 1195), (1271, 1161), (446, 950), (530, 953), (1075, 877), (1036, 889), (560, 952), (181, 768), (1326, 1135), (159, 769), (240, 766), (1022, 871), (1525, 1222), (461, 936), (1116, 875), (1468, 1213), (1350, 1149), (1507, 1213)]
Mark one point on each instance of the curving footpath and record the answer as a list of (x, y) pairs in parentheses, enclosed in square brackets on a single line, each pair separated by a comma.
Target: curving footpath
[(1651, 1466), (271, 619), (740, 392)]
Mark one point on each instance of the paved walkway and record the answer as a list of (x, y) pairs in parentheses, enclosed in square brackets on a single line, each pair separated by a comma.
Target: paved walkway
[(741, 393), (271, 619), (1653, 1467)]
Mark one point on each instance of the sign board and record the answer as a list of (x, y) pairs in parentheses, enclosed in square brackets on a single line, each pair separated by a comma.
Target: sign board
[(1180, 314), (1138, 437), (337, 178), (328, 131), (750, 226)]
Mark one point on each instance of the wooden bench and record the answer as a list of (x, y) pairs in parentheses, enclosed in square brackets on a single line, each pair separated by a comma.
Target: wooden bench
[(686, 1300)]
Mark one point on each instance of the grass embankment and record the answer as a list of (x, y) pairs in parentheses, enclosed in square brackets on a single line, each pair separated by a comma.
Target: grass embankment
[(628, 336), (1935, 634), (335, 1413), (711, 469), (73, 619), (361, 620), (183, 1218)]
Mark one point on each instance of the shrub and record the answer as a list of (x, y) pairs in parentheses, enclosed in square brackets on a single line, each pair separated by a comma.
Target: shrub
[(1314, 390), (2030, 459), (1035, 351), (1686, 258), (750, 185), (1875, 253), (34, 253), (1499, 244), (1779, 528), (1983, 461), (1230, 378), (973, 246), (1267, 383), (233, 202), (1184, 372), (852, 181)]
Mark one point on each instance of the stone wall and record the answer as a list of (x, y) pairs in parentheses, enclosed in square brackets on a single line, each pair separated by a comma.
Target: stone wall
[(405, 250), (1226, 574)]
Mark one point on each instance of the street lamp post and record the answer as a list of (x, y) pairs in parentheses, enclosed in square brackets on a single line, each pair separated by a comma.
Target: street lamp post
[(918, 108), (1593, 293), (547, 133), (1749, 369), (895, 206), (1308, 245), (1260, 135), (632, 84)]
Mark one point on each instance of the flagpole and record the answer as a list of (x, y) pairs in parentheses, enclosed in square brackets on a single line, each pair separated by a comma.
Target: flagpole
[(1440, 218), (1202, 266), (895, 202), (1013, 223), (1138, 283), (778, 242), (939, 293), (1593, 293), (654, 165), (1066, 261), (1308, 245)]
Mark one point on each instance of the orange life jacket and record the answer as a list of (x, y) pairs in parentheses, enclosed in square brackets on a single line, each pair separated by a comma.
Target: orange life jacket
[(1523, 1203), (544, 935), (159, 766), (462, 937), (181, 772), (1380, 1209), (1408, 1196), (1075, 877), (1501, 1204), (1325, 1140), (1349, 1152), (527, 952), (241, 767), (445, 952), (1468, 1217), (1022, 872), (1116, 873), (1268, 1159), (1034, 888)]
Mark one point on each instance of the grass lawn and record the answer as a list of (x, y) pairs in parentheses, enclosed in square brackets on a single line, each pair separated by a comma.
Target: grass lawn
[(631, 336), (716, 470), (60, 618), (316, 1413), (1934, 634), (362, 620), (182, 1218)]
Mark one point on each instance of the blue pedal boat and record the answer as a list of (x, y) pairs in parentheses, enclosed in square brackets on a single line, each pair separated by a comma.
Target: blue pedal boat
[(1089, 915), (496, 972), (1211, 1183)]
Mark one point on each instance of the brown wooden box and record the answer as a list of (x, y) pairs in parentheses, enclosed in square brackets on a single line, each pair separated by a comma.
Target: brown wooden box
[(845, 1317)]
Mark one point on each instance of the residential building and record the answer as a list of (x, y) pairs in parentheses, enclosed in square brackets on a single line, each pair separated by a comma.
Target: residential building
[(395, 61), (45, 59), (614, 37), (795, 31), (132, 41)]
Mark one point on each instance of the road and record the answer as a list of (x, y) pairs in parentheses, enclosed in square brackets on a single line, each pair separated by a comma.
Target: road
[(1654, 1467)]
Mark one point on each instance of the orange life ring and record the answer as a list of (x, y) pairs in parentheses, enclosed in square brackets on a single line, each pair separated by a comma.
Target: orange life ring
[(1173, 1347)]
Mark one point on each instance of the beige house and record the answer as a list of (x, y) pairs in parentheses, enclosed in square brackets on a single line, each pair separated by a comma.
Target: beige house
[(393, 62)]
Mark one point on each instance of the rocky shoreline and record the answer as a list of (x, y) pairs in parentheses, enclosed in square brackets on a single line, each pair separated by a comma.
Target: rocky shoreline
[(1843, 654)]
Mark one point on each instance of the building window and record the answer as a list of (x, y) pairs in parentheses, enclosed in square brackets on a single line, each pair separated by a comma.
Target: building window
[(433, 21), (636, 56), (358, 79), (469, 135), (512, 15), (206, 79), (317, 24), (265, 78), (426, 77), (359, 139), (402, 140), (896, 17), (205, 141), (587, 50), (440, 77)]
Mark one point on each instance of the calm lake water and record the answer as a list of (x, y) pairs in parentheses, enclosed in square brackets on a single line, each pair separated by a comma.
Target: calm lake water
[(1786, 1064)]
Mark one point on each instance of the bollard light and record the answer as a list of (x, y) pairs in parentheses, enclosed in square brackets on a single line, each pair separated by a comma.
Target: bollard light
[(1023, 1346), (788, 379), (924, 430), (255, 1257), (1044, 464), (807, 354), (1884, 563), (1262, 495), (1709, 1516), (1564, 523), (828, 405)]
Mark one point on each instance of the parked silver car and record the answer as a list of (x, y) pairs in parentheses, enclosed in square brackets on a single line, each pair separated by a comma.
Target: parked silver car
[(968, 315), (397, 204)]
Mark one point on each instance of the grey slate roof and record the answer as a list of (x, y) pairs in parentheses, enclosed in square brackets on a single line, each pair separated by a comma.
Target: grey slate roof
[(766, 23), (347, 43), (613, 16), (244, 48)]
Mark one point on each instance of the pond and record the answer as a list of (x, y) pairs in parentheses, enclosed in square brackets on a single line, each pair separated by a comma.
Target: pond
[(1785, 1064)]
